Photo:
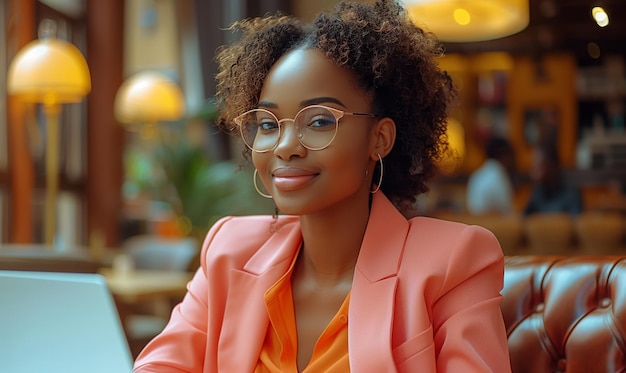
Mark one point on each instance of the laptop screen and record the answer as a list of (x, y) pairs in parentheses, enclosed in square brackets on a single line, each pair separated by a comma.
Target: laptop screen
[(59, 322)]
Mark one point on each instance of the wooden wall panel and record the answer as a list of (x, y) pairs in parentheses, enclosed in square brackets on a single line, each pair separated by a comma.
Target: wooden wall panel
[(549, 82), (105, 139), (21, 30)]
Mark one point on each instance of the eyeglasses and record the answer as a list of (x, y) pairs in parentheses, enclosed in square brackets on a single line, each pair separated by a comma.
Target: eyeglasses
[(315, 126)]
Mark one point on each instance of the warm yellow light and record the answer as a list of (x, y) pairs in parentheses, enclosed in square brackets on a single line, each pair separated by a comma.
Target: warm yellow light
[(469, 20), (456, 140), (600, 16), (50, 71), (147, 98), (462, 16)]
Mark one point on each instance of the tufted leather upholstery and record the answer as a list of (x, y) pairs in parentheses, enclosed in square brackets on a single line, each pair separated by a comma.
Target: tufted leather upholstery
[(566, 314)]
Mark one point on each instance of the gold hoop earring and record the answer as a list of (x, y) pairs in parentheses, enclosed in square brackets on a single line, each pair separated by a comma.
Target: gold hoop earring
[(380, 175), (256, 172)]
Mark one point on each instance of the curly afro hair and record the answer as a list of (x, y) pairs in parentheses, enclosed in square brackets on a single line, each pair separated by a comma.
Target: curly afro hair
[(388, 54)]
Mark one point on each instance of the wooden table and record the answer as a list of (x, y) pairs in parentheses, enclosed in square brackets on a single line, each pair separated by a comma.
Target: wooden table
[(139, 285), (147, 295)]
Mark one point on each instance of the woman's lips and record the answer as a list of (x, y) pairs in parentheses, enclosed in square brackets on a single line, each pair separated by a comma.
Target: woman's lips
[(292, 179)]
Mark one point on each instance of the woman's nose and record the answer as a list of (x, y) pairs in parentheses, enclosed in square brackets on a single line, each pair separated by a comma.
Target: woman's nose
[(288, 144)]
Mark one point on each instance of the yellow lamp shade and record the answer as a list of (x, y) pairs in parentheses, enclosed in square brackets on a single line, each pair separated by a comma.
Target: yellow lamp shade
[(469, 20), (50, 71), (149, 97)]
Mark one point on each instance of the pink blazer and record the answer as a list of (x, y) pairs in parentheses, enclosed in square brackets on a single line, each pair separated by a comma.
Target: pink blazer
[(425, 298)]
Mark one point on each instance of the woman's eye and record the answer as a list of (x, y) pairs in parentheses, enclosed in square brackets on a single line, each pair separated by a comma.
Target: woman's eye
[(268, 125), (321, 121)]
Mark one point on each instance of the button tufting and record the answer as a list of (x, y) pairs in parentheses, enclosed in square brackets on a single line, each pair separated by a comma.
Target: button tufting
[(539, 307), (343, 319), (562, 365), (605, 303)]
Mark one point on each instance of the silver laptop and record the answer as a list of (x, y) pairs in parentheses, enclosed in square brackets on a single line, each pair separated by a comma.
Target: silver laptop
[(59, 323)]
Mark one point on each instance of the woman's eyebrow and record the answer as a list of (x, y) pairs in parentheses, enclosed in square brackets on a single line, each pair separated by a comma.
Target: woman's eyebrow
[(311, 101), (321, 100), (267, 104)]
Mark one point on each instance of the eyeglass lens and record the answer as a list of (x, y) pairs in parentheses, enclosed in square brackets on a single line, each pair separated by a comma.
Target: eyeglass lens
[(315, 128)]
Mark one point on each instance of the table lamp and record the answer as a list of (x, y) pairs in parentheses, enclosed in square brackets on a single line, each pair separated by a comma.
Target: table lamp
[(147, 98), (470, 20), (51, 72)]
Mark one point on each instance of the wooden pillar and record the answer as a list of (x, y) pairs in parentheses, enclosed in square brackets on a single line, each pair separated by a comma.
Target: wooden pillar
[(105, 139), (210, 23), (21, 30)]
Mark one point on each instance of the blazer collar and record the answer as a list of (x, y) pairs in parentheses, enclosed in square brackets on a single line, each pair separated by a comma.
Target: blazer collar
[(383, 243), (372, 299), (381, 251), (243, 331), (280, 247)]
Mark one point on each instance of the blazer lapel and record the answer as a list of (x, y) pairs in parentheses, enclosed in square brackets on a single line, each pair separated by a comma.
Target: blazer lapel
[(244, 328), (373, 292)]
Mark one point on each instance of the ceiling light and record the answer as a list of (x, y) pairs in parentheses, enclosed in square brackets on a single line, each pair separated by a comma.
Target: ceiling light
[(600, 16), (469, 20)]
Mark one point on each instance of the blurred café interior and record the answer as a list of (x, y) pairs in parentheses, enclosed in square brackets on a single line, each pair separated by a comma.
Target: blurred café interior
[(122, 171)]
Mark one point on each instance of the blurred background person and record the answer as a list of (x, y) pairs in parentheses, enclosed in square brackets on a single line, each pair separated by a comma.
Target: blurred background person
[(550, 193), (490, 187)]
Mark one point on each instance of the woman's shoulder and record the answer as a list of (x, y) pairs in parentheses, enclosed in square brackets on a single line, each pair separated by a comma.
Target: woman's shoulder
[(441, 246), (238, 235), (436, 225), (439, 234)]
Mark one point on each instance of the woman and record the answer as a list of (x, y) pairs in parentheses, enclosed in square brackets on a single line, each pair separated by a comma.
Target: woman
[(344, 120)]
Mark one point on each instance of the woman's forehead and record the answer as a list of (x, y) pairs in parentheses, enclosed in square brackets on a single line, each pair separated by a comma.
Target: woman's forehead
[(303, 74)]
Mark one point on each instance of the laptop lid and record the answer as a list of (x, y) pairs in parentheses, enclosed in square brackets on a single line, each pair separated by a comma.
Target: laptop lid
[(59, 322)]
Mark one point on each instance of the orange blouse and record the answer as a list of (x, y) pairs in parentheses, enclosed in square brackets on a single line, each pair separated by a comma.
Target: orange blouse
[(280, 347)]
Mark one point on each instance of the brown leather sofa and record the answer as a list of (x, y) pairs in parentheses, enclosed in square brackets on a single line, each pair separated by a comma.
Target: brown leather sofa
[(565, 314)]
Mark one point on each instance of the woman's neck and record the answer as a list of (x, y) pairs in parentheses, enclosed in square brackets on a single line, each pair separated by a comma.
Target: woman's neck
[(332, 241)]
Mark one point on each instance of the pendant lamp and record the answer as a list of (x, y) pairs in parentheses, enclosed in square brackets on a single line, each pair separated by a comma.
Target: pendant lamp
[(469, 20)]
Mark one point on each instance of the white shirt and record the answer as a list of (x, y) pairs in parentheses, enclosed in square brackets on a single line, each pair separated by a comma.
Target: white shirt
[(489, 189)]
